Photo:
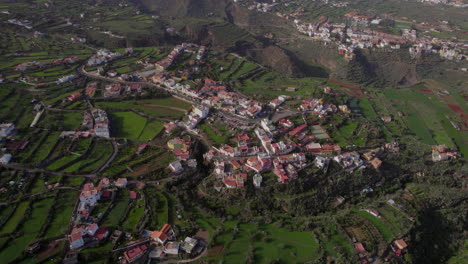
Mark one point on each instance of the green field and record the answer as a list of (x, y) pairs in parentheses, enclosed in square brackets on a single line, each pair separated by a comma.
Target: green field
[(30, 230), (62, 214), (46, 147), (218, 134), (151, 110), (128, 125), (112, 219), (134, 215), (383, 229), (151, 129), (426, 116), (81, 147), (12, 223), (167, 101), (100, 151), (266, 243), (158, 206), (38, 185)]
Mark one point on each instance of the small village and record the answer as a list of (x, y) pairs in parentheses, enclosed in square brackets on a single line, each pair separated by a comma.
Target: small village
[(151, 244), (356, 33), (179, 151), (285, 148)]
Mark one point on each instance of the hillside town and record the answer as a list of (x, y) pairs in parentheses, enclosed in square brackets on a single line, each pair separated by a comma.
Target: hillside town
[(199, 131), (357, 33)]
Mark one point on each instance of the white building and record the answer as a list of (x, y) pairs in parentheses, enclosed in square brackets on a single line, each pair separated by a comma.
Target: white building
[(189, 244), (91, 196), (91, 230), (76, 241), (268, 126), (5, 159), (7, 129), (121, 182), (172, 248), (257, 180), (201, 111), (176, 166), (321, 162)]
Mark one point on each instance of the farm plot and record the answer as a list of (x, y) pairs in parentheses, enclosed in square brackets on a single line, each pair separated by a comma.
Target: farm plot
[(167, 101), (156, 164), (151, 129), (153, 111), (12, 223), (46, 147), (158, 207), (38, 185), (62, 213), (115, 215), (81, 147), (266, 243), (217, 133), (427, 116), (134, 215), (29, 229), (127, 125), (100, 151)]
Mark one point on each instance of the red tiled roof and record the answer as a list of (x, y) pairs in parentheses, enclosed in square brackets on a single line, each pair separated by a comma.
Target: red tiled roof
[(75, 236), (134, 253), (101, 233), (359, 247)]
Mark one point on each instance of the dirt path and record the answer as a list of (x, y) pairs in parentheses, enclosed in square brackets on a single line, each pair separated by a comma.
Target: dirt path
[(186, 260), (168, 107), (115, 151)]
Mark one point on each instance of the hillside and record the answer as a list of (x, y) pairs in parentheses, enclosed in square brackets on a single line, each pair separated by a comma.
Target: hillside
[(233, 28)]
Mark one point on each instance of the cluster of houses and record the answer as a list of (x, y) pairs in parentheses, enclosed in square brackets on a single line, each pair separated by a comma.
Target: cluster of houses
[(442, 153), (213, 94), (261, 7), (8, 130), (69, 60), (201, 53), (116, 90), (317, 107), (349, 161), (103, 56), (181, 147), (67, 78), (356, 34), (233, 164), (89, 91), (454, 3), (96, 122), (197, 114), (85, 229), (30, 65), (165, 63), (159, 244)]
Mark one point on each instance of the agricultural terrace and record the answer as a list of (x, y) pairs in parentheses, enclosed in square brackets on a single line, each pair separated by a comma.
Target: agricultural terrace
[(164, 108), (240, 242)]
